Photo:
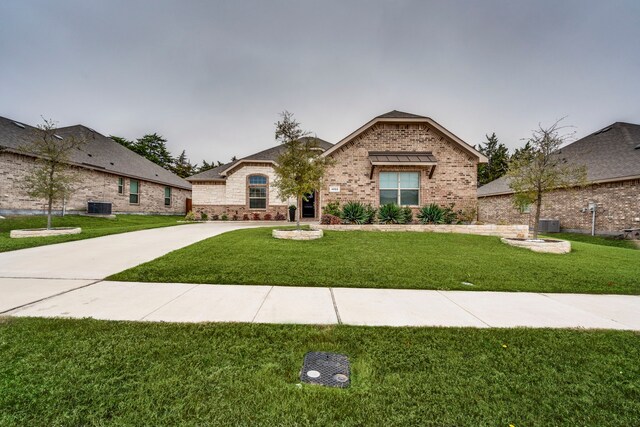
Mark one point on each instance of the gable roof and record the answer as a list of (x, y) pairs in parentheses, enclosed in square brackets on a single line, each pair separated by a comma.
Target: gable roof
[(610, 154), (99, 153), (270, 155), (396, 116)]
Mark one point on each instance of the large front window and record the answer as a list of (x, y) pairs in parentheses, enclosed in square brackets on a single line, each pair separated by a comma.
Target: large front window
[(401, 188), (257, 192)]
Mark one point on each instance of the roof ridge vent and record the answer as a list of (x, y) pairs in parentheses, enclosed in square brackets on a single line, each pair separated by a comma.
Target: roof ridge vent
[(20, 125)]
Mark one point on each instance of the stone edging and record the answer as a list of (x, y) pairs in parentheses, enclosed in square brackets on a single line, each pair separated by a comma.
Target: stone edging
[(512, 231), (43, 232), (548, 246), (297, 234)]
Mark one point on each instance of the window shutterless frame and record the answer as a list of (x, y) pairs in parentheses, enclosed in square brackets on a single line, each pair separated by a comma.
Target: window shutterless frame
[(134, 192), (401, 188), (167, 196), (257, 191), (120, 185)]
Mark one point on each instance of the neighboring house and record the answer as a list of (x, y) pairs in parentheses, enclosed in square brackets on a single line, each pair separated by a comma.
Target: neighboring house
[(107, 172), (612, 158), (397, 157)]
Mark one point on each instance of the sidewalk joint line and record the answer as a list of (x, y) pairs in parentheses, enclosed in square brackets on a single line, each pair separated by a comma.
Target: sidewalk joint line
[(604, 317), (482, 321), (261, 304), (50, 296), (195, 285), (335, 306)]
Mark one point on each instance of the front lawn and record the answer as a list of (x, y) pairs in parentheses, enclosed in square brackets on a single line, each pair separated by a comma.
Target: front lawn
[(88, 372), (393, 260), (596, 240), (91, 227)]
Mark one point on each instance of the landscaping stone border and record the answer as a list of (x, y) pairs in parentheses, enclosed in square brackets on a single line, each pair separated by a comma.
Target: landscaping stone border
[(297, 234), (43, 232), (512, 231), (548, 246)]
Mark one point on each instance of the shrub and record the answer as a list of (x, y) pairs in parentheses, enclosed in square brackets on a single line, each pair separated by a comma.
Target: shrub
[(407, 215), (431, 214), (234, 217), (354, 213), (280, 217), (190, 216), (245, 217), (267, 217), (449, 215), (467, 215), (255, 216), (204, 216), (224, 217), (215, 217), (330, 219), (371, 214), (332, 208), (390, 214)]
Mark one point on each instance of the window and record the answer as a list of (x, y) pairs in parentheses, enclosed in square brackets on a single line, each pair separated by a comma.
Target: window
[(401, 188), (134, 191), (120, 185), (526, 208), (257, 192), (167, 196)]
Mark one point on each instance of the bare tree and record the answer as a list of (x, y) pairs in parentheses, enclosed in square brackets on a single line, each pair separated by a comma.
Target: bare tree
[(52, 178), (543, 169)]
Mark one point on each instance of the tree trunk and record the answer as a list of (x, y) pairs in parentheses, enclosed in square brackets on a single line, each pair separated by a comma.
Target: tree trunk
[(49, 213), (537, 218), (298, 211)]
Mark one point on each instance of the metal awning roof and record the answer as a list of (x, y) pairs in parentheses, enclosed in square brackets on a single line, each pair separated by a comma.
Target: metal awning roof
[(402, 158)]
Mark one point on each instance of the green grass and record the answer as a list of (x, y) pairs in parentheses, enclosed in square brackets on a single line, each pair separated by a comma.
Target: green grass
[(87, 372), (91, 227), (393, 260), (595, 240)]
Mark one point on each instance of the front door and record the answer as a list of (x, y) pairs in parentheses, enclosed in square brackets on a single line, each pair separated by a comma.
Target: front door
[(309, 206)]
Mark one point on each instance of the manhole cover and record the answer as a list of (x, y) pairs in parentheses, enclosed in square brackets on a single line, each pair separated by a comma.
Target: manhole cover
[(328, 369)]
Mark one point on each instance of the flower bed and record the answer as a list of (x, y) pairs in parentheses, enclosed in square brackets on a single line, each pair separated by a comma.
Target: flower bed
[(512, 231)]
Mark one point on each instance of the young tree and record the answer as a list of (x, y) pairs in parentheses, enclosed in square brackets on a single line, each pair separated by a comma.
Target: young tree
[(300, 167), (498, 164), (52, 179), (542, 169)]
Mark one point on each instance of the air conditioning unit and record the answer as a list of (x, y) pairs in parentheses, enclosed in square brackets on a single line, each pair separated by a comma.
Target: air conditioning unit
[(549, 226), (99, 208)]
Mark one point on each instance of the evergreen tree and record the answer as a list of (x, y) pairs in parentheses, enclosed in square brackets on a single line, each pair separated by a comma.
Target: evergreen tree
[(498, 164), (183, 167), (151, 146)]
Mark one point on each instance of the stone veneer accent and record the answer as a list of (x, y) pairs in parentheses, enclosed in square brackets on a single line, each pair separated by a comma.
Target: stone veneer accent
[(92, 185), (454, 179), (547, 246), (618, 207), (297, 234), (511, 231)]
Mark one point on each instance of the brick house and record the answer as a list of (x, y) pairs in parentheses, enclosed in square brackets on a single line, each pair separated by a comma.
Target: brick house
[(397, 157), (612, 158), (107, 172)]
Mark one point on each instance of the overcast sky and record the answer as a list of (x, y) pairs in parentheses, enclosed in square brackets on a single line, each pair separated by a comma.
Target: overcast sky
[(212, 77)]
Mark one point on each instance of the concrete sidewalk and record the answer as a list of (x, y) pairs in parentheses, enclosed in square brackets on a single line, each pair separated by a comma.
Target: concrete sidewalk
[(175, 302)]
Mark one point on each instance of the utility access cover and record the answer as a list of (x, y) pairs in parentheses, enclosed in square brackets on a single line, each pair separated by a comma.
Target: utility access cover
[(329, 369)]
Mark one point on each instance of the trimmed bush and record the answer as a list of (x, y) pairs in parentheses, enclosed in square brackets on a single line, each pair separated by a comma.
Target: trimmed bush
[(190, 216), (280, 217), (255, 216), (431, 214), (224, 217), (330, 219), (390, 214), (267, 217), (204, 216), (332, 208), (245, 217), (215, 217), (354, 213), (407, 214), (371, 214), (449, 215), (234, 217)]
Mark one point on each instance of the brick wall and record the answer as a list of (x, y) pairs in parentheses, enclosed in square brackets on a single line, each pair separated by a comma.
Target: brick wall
[(92, 185), (454, 179), (618, 208)]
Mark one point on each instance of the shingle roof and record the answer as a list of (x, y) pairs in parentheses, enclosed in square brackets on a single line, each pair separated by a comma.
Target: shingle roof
[(268, 155), (609, 154), (395, 114), (99, 152)]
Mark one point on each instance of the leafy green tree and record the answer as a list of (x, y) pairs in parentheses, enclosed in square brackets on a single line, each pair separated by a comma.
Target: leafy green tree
[(300, 167), (183, 167), (51, 179), (498, 164), (543, 169)]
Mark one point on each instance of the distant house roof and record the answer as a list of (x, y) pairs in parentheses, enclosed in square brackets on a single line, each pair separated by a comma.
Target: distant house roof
[(99, 153), (269, 155), (610, 154), (396, 116)]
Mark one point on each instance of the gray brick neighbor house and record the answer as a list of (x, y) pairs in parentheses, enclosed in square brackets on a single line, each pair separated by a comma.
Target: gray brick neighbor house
[(396, 157), (612, 158), (107, 172)]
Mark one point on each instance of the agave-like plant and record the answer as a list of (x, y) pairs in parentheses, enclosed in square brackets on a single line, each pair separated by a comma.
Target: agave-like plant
[(431, 214), (354, 213), (391, 214)]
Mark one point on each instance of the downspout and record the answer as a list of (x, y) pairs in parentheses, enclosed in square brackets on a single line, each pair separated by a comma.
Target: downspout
[(593, 221)]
